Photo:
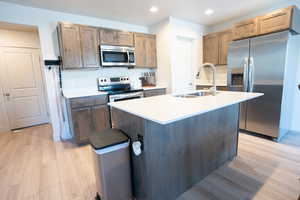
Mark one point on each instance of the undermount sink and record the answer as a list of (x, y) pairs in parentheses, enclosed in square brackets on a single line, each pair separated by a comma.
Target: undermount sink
[(194, 94)]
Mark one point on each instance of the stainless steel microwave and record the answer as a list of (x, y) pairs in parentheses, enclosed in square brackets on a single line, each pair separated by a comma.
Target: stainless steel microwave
[(114, 56)]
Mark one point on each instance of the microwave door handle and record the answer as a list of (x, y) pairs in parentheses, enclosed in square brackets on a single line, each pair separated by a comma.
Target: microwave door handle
[(128, 58), (245, 77)]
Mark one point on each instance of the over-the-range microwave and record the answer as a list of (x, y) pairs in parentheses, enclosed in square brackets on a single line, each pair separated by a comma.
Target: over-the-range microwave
[(114, 56)]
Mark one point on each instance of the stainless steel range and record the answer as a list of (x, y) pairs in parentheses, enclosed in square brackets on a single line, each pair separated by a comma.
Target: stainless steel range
[(119, 88)]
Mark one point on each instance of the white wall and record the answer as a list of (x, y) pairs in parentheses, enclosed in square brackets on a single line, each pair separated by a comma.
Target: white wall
[(295, 123), (167, 33), (46, 21), (163, 48)]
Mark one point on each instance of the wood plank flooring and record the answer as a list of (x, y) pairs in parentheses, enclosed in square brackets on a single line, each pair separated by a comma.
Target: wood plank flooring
[(33, 167), (263, 170)]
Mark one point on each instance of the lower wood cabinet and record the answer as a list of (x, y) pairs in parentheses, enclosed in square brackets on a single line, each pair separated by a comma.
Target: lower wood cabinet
[(87, 118), (154, 92)]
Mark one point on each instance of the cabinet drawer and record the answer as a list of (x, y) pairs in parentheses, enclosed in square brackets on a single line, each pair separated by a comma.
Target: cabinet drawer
[(275, 21), (88, 101), (154, 92)]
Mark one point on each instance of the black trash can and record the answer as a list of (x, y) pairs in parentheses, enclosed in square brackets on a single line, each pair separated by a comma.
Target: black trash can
[(112, 165)]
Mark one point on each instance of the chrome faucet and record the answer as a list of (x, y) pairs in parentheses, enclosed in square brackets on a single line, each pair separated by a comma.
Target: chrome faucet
[(213, 89)]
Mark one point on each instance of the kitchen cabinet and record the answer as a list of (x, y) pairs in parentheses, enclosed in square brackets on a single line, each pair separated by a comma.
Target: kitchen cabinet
[(116, 37), (70, 46), (87, 115), (275, 21), (224, 39), (145, 50), (78, 46), (215, 47), (278, 20), (89, 38), (245, 29), (154, 92), (211, 49)]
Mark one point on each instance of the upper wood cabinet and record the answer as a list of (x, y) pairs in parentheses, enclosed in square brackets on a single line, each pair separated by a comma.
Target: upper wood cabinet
[(275, 21), (278, 20), (145, 50), (245, 29), (78, 46), (70, 46), (215, 47), (89, 46), (116, 37), (211, 49), (224, 39)]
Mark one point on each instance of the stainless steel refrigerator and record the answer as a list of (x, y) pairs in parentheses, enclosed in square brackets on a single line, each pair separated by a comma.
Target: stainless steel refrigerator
[(265, 64)]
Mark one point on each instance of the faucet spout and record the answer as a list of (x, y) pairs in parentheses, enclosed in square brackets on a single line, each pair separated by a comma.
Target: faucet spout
[(213, 67)]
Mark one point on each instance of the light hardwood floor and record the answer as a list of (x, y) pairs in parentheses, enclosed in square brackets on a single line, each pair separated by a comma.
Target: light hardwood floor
[(33, 167)]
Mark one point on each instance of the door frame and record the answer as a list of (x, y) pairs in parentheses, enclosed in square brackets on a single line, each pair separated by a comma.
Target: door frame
[(24, 28)]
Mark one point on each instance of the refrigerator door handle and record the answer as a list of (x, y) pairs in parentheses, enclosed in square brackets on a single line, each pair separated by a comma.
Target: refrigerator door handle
[(251, 74), (246, 73)]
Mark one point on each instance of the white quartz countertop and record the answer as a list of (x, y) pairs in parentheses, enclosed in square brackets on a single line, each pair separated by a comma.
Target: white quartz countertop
[(81, 92), (166, 109)]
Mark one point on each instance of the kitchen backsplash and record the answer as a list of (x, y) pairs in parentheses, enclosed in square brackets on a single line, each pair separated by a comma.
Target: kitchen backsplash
[(74, 79), (206, 76)]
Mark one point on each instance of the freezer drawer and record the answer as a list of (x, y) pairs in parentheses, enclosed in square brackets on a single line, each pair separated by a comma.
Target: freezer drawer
[(263, 114)]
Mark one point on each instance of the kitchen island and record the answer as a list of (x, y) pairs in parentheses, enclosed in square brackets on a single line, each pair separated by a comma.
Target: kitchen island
[(183, 139)]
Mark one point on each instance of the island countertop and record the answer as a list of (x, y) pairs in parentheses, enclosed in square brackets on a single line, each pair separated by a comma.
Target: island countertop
[(166, 109)]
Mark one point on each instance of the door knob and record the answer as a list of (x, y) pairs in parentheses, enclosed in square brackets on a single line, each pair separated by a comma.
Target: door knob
[(7, 94)]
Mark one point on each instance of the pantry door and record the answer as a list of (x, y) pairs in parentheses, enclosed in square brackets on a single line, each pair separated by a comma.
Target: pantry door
[(182, 66), (23, 85)]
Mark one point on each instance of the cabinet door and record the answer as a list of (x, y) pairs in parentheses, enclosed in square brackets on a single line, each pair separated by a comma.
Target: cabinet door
[(125, 38), (211, 49), (90, 48), (275, 21), (108, 36), (101, 117), (245, 29), (224, 39), (140, 50), (151, 51), (82, 123), (70, 46)]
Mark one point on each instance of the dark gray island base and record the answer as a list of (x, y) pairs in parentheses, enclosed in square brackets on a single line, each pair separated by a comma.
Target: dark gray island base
[(178, 155)]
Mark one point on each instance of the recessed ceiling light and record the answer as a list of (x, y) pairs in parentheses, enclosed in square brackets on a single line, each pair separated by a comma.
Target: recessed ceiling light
[(209, 12), (153, 9)]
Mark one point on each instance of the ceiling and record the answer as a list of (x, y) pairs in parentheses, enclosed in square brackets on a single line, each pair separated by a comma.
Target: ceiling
[(137, 11)]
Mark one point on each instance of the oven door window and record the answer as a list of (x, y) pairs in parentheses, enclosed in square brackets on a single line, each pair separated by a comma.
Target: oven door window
[(114, 57)]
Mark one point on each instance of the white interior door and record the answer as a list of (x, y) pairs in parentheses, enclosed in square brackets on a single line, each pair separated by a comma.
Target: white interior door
[(183, 63), (4, 125), (22, 79)]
